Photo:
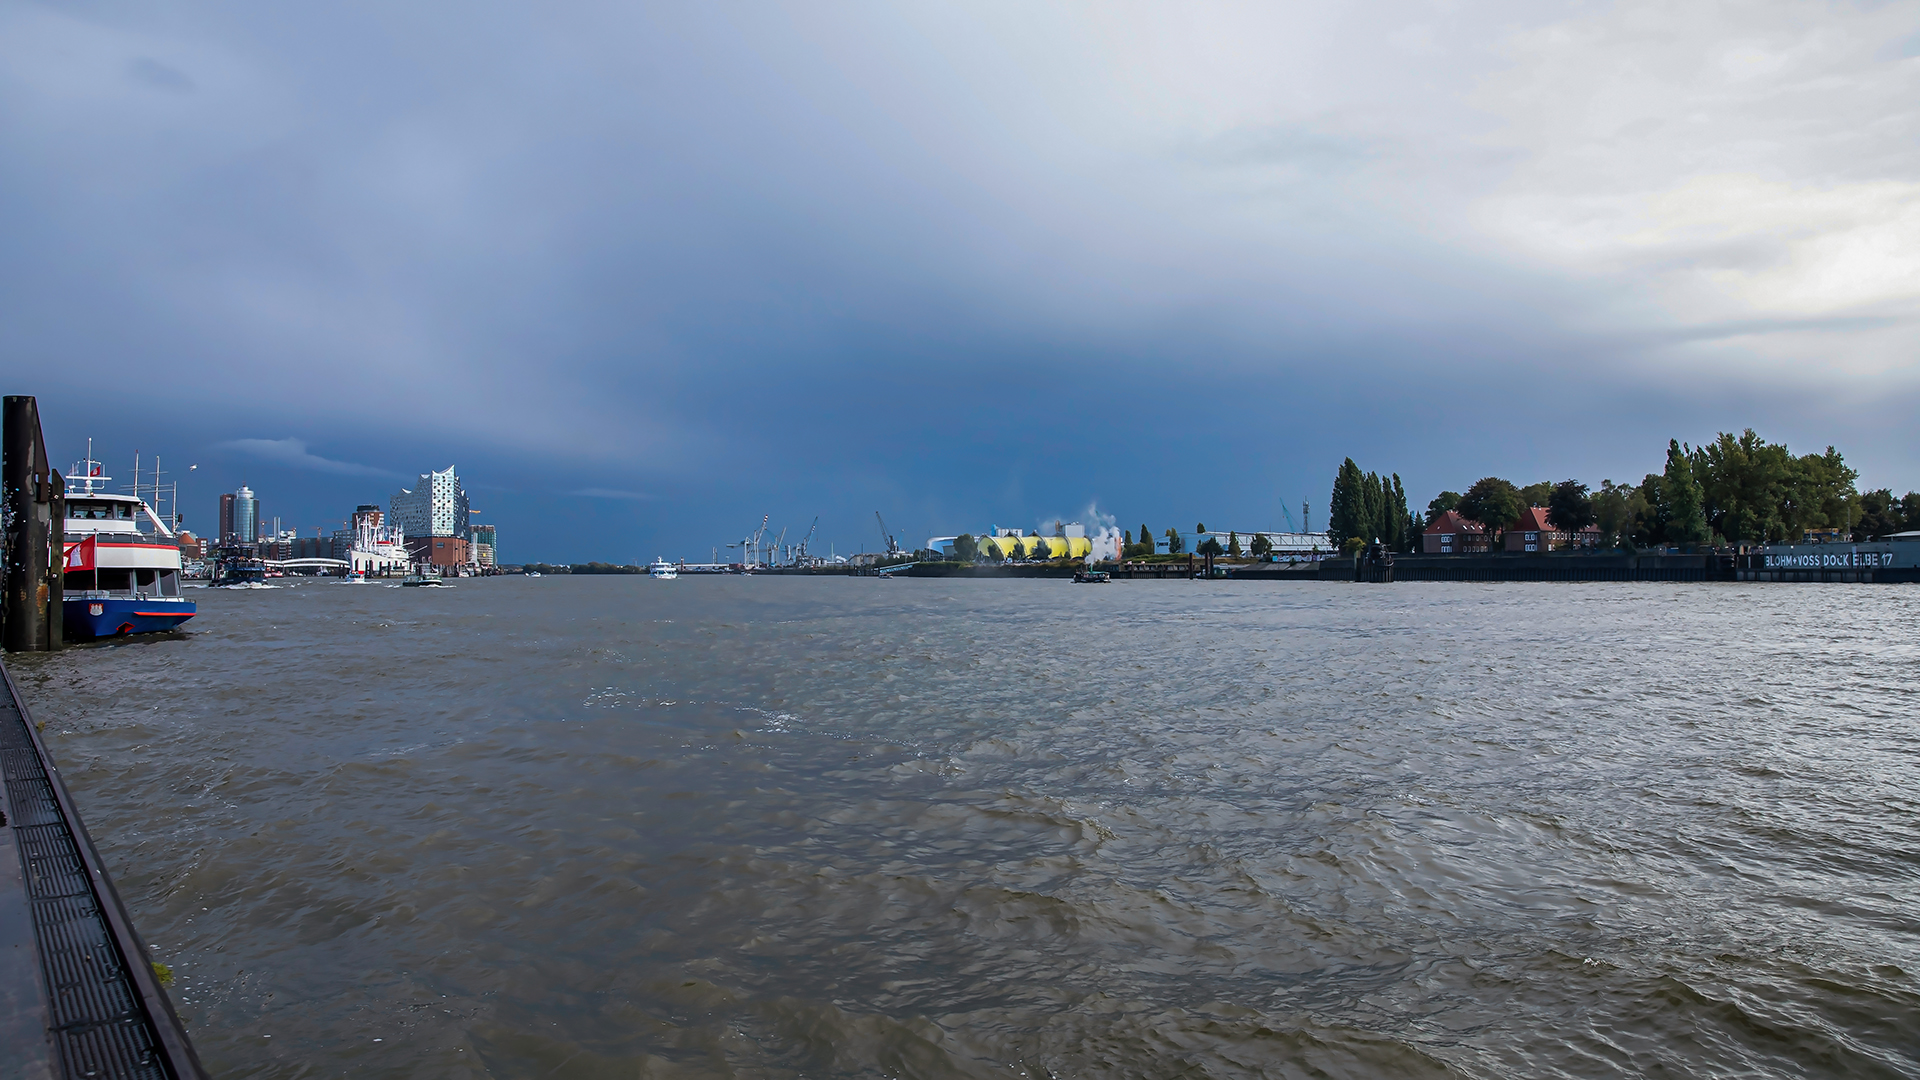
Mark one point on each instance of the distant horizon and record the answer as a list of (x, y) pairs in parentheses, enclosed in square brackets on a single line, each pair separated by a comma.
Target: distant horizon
[(1093, 516)]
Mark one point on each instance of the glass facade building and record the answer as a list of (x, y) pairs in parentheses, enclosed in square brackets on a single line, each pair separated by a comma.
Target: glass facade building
[(246, 516), (435, 506)]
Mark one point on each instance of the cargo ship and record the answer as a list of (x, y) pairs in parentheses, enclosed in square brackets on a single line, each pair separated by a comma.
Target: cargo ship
[(121, 563)]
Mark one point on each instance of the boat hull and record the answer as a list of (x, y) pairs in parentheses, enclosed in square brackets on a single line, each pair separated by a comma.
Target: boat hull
[(83, 618)]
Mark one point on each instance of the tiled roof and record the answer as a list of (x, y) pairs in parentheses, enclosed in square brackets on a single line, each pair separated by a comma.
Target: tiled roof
[(1452, 522), (1532, 519)]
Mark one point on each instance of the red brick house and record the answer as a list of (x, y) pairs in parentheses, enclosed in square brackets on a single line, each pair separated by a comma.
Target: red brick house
[(1451, 534), (1533, 532)]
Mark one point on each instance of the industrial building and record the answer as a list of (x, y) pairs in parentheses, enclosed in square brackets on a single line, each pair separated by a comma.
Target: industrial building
[(1070, 541)]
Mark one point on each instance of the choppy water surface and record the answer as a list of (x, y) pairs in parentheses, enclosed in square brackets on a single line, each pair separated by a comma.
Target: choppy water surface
[(783, 827)]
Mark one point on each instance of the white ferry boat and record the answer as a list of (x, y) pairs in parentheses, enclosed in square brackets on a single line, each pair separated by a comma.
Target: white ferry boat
[(122, 563), (663, 569)]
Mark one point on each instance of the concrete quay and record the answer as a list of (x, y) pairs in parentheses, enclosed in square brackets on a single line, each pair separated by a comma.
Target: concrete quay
[(78, 993)]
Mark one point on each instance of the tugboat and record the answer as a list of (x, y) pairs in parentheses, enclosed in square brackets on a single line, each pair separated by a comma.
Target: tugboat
[(121, 563), (1084, 576)]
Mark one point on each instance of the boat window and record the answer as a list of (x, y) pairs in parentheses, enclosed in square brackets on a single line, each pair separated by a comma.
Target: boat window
[(169, 583), (123, 511), (87, 511), (114, 580)]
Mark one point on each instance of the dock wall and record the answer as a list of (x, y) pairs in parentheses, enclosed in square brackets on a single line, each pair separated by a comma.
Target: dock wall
[(78, 993)]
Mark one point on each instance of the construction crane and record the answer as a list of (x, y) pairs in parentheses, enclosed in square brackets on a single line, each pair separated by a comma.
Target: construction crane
[(801, 548), (892, 547), (750, 545), (1291, 527)]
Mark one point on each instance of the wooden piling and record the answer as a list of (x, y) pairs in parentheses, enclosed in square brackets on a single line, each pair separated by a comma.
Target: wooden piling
[(35, 499)]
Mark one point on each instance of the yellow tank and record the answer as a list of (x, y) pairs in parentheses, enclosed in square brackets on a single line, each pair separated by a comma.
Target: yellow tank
[(1037, 547)]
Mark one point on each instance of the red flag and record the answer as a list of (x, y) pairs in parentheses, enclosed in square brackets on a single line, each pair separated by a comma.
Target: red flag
[(80, 554)]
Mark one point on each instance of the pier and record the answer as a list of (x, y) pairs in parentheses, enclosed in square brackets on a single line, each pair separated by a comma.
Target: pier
[(79, 996)]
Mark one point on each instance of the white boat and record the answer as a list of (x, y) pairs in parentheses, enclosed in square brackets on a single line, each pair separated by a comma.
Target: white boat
[(663, 569), (423, 581), (122, 563)]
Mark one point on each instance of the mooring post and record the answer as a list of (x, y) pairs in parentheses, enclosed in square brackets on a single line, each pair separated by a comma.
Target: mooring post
[(27, 489), (56, 559)]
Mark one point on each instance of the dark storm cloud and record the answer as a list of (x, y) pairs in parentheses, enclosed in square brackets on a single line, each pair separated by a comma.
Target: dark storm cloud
[(846, 255), (293, 453)]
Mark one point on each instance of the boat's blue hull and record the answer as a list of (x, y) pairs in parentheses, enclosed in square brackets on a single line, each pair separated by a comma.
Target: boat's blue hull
[(83, 618)]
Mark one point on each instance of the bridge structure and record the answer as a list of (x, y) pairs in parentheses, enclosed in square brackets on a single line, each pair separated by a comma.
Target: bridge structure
[(309, 564)]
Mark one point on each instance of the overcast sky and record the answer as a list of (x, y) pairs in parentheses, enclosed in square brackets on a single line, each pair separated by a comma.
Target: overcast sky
[(645, 273)]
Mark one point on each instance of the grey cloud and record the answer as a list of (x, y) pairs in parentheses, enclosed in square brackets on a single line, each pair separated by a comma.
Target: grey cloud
[(294, 453), (158, 75), (610, 493)]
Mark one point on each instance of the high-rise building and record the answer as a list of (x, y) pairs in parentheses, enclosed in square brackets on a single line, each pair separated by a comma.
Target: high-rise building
[(483, 549), (435, 506), (239, 517)]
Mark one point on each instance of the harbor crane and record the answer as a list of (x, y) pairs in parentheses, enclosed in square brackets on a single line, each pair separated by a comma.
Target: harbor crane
[(750, 545), (893, 548), (800, 556)]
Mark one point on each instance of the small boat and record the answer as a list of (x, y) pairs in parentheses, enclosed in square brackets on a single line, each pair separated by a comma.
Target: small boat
[(243, 574), (120, 562), (662, 569), (1092, 577), (424, 581), (534, 573)]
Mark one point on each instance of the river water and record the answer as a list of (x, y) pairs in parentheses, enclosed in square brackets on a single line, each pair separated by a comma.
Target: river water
[(782, 827)]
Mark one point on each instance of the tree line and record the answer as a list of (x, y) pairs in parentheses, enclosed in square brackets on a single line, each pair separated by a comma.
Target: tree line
[(1736, 489)]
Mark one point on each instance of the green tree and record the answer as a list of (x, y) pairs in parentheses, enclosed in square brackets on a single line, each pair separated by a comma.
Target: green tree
[(1402, 530), (1146, 540), (1346, 509), (1233, 545), (1494, 504), (1368, 506), (1443, 502), (1879, 515), (1210, 546), (1613, 511), (1261, 546), (965, 548), (1175, 545), (1200, 528), (1649, 512), (1536, 494), (1684, 512), (1569, 507), (1745, 485), (1825, 492)]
